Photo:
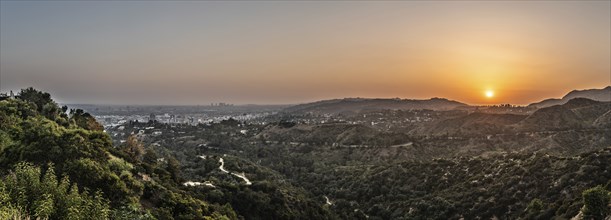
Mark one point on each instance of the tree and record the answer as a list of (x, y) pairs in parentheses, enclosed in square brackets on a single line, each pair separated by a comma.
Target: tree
[(535, 206), (23, 193), (134, 148), (85, 120), (150, 157), (596, 202), (37, 97), (174, 169)]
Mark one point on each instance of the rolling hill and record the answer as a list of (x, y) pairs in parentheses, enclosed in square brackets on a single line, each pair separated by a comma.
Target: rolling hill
[(576, 113), (355, 105), (603, 95), (474, 123)]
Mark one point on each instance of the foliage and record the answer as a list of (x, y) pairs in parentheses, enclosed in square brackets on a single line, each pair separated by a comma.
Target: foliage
[(596, 201), (508, 185), (38, 98), (85, 120), (28, 191), (35, 133), (535, 206), (133, 148)]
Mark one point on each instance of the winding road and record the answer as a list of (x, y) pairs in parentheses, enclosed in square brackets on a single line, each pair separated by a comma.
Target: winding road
[(328, 201), (222, 168)]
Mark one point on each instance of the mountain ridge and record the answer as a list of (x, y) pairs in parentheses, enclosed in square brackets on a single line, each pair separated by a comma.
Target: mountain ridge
[(354, 105), (603, 95)]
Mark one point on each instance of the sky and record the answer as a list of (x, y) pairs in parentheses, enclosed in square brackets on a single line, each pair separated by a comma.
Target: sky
[(270, 52)]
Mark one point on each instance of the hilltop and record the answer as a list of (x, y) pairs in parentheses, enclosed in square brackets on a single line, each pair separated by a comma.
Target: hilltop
[(355, 105), (603, 95), (575, 113), (348, 106)]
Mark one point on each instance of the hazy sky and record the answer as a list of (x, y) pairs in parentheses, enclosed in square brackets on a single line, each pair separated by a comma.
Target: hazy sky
[(192, 52)]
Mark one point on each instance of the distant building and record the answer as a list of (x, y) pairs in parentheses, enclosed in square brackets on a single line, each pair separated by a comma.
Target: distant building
[(3, 96), (221, 104), (152, 117)]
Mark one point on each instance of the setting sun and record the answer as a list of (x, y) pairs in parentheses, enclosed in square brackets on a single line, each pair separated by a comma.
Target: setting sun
[(489, 93)]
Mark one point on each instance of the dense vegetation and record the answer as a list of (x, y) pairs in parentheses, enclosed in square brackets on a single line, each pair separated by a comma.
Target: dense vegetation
[(27, 191), (71, 146), (60, 163), (361, 182), (472, 188)]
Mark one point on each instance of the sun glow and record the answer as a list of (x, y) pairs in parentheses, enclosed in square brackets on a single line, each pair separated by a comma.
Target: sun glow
[(489, 93)]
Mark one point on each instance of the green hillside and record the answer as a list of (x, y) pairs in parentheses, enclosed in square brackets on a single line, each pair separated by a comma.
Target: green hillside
[(63, 166)]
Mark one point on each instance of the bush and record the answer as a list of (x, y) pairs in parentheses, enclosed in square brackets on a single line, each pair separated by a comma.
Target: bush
[(535, 206), (595, 203), (24, 193)]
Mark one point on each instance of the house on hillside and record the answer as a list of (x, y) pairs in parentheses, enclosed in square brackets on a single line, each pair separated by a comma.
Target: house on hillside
[(4, 96)]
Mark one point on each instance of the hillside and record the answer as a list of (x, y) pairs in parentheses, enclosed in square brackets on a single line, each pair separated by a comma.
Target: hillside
[(603, 95), (355, 105), (60, 164), (551, 118), (474, 123), (501, 187), (37, 136), (576, 113), (332, 133), (604, 120)]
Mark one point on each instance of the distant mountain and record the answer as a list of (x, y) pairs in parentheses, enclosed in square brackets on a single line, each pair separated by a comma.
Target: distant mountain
[(354, 105), (576, 113), (603, 95)]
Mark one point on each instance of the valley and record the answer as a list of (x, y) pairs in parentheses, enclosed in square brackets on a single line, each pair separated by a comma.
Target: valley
[(409, 163), (344, 158)]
